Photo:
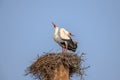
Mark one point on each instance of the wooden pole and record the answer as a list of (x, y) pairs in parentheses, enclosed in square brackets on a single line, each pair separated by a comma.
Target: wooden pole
[(61, 73)]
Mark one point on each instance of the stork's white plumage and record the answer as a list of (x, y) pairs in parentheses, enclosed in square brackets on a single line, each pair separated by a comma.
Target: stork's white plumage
[(63, 38)]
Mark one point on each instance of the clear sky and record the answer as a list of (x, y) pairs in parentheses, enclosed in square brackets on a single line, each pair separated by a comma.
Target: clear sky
[(26, 31)]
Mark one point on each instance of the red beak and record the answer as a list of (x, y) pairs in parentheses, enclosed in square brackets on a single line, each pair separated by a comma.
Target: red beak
[(54, 25), (70, 34)]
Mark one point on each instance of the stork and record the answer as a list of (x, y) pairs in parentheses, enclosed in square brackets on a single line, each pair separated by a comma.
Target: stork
[(63, 38)]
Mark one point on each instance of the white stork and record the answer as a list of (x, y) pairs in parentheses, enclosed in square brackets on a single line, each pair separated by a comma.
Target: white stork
[(63, 38)]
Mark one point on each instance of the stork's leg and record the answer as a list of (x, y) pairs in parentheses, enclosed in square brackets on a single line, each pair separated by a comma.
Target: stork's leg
[(63, 50), (66, 47)]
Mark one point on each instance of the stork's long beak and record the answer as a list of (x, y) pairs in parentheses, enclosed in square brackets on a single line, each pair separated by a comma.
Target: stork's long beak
[(70, 34), (54, 25)]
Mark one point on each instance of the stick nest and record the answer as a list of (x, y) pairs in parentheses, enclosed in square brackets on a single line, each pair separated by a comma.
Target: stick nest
[(45, 65)]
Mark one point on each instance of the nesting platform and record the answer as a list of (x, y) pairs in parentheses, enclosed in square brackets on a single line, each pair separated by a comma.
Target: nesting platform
[(51, 65)]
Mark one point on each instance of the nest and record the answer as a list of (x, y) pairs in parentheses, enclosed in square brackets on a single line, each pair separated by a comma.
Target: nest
[(45, 65)]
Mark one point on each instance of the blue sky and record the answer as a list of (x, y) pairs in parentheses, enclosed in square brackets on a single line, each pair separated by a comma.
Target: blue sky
[(26, 31)]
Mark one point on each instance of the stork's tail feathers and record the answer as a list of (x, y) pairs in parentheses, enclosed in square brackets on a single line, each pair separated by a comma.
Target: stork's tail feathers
[(72, 45)]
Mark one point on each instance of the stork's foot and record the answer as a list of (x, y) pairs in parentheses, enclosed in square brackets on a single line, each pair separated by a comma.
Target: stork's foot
[(64, 50)]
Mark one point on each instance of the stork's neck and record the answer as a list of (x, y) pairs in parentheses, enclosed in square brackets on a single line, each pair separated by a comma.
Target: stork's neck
[(56, 30)]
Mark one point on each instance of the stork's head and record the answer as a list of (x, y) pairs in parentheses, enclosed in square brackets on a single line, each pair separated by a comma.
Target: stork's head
[(55, 26)]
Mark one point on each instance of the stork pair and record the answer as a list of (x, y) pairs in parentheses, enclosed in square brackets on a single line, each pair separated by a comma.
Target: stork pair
[(63, 38)]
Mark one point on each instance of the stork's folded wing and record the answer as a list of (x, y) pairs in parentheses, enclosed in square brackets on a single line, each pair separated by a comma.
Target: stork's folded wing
[(64, 34)]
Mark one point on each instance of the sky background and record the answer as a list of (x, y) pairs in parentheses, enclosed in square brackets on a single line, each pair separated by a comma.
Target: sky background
[(26, 31)]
